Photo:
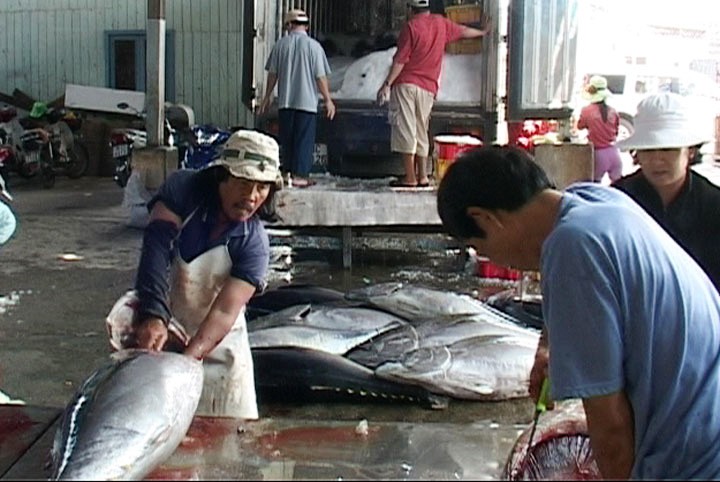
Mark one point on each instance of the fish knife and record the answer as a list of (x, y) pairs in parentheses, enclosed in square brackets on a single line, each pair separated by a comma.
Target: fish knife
[(540, 407)]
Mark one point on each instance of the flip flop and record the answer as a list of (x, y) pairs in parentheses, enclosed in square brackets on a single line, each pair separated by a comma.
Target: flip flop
[(399, 183), (423, 184), (303, 182)]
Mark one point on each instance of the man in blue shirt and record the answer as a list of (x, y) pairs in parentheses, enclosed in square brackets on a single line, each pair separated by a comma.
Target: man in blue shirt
[(632, 321), (299, 67), (205, 253)]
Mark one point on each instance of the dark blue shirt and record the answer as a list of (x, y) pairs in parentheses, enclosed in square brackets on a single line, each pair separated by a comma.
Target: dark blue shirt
[(194, 198), (692, 219)]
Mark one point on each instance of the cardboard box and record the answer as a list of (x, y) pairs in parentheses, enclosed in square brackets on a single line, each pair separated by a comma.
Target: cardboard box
[(464, 14)]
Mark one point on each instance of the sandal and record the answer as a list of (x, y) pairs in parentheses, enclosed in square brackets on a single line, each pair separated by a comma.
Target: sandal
[(300, 182), (399, 183)]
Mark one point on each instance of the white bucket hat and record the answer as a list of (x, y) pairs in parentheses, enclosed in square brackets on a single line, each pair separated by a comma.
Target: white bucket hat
[(597, 89), (251, 155), (665, 121)]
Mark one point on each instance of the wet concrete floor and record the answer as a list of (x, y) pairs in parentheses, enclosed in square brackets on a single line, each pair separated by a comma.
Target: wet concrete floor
[(73, 256)]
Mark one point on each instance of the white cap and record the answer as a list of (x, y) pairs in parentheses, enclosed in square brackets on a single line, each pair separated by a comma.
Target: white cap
[(296, 15), (665, 121), (419, 3), (251, 155)]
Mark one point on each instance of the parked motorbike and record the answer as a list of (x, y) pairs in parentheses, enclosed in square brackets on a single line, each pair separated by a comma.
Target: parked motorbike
[(36, 157), (123, 141), (204, 146), (48, 146), (7, 114), (7, 148)]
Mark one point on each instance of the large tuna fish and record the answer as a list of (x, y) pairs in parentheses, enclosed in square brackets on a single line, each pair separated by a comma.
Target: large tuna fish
[(127, 417), (478, 368), (560, 448), (329, 329), (290, 295), (417, 303), (298, 375), (392, 345)]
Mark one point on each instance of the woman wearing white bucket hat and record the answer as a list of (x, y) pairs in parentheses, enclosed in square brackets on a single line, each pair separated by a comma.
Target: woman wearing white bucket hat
[(666, 140), (205, 253), (602, 123)]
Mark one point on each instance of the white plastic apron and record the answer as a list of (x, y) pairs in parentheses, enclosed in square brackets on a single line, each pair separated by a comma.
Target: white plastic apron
[(229, 387)]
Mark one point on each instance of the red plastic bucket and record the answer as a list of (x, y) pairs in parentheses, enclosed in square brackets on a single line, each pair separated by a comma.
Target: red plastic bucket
[(448, 147)]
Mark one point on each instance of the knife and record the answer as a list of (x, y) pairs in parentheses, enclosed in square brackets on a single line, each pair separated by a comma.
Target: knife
[(540, 407)]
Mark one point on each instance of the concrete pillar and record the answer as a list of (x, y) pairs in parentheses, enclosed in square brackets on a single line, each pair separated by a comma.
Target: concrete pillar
[(155, 162), (566, 163), (155, 68)]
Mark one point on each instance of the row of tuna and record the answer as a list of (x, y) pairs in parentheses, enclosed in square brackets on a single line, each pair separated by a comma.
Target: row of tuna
[(388, 342)]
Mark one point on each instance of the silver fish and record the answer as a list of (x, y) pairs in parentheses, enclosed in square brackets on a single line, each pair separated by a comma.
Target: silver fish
[(391, 345), (417, 303), (477, 368), (330, 329), (127, 417)]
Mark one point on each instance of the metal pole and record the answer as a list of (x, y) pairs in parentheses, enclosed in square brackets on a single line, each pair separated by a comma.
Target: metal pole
[(155, 69)]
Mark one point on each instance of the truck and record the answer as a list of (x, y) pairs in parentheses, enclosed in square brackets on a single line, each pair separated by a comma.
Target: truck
[(524, 69)]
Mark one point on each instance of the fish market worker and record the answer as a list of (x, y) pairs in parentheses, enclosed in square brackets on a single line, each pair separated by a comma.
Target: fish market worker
[(632, 322), (667, 138), (204, 254)]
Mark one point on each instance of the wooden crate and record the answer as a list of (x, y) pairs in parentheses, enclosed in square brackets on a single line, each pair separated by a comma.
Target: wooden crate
[(464, 14)]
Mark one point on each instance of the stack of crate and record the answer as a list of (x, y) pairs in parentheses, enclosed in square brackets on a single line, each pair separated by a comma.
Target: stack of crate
[(464, 14)]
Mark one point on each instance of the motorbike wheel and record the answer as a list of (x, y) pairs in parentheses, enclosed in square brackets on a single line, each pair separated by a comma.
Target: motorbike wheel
[(78, 161), (27, 171), (121, 177), (48, 177)]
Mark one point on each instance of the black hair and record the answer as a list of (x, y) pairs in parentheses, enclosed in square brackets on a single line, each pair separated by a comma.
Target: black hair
[(416, 10), (214, 176), (603, 110), (492, 177), (697, 156)]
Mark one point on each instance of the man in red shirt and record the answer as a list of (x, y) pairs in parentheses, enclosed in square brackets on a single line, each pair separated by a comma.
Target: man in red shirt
[(414, 77)]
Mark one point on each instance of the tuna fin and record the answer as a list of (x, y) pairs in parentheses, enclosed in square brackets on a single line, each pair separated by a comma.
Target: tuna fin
[(438, 402)]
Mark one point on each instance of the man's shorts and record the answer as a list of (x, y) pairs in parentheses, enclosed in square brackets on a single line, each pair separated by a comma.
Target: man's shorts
[(409, 117)]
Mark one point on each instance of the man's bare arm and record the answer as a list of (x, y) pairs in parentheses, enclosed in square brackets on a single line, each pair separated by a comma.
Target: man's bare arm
[(322, 84), (267, 98), (611, 428)]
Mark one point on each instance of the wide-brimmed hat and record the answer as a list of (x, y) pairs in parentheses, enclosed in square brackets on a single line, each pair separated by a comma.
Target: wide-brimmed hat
[(596, 89), (296, 16), (665, 121), (251, 155)]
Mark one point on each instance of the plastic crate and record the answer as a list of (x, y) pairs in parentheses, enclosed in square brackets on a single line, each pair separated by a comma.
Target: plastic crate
[(464, 14)]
